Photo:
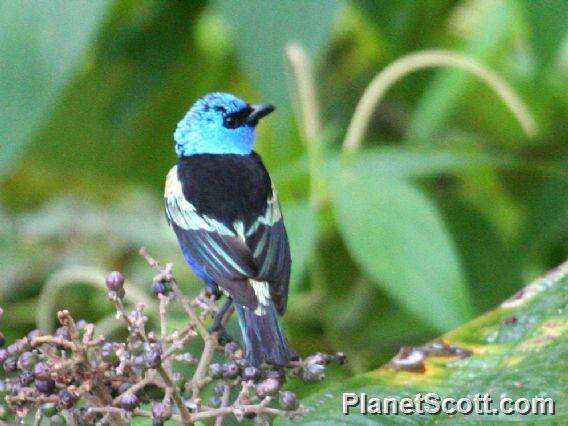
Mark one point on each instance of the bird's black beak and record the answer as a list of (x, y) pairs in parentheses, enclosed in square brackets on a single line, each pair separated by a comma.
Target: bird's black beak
[(259, 111)]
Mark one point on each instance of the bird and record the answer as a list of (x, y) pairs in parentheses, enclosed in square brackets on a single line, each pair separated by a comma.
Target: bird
[(224, 210)]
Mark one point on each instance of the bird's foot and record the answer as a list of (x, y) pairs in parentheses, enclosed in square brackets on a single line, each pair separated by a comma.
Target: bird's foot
[(218, 324), (224, 337), (219, 316)]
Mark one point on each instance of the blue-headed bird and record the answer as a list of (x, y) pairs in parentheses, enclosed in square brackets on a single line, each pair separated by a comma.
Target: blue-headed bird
[(223, 207)]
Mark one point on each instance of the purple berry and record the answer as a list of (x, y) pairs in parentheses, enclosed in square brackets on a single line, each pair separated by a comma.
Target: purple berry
[(161, 412), (230, 370), (16, 388), (251, 373), (276, 374), (108, 353), (42, 371), (153, 356), (18, 346), (115, 281), (318, 358), (215, 370), (11, 364), (160, 288), (139, 361), (67, 399), (34, 334), (231, 348), (2, 340), (267, 387), (124, 386), (313, 373), (3, 355), (45, 386), (63, 333), (27, 361), (26, 378), (129, 401), (288, 400)]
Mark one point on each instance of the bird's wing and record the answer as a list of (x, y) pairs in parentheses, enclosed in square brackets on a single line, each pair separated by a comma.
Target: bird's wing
[(217, 248), (268, 242)]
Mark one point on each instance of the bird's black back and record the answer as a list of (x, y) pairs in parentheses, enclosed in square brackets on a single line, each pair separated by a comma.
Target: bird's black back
[(226, 187)]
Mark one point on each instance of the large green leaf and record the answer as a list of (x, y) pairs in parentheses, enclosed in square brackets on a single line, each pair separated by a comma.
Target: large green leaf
[(41, 44), (396, 234), (446, 91), (408, 25), (492, 270), (411, 162), (261, 30), (548, 27), (301, 227), (146, 70), (547, 220), (519, 350)]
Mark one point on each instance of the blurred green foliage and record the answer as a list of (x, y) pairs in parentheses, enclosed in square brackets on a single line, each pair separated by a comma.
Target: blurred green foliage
[(443, 213)]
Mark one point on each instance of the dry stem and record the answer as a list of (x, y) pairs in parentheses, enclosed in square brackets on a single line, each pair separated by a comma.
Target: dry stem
[(375, 92), (186, 304)]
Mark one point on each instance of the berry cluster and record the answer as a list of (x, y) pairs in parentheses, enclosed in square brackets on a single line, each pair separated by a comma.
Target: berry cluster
[(75, 377)]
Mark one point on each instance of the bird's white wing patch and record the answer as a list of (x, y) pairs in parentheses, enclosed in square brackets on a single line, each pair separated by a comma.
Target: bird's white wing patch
[(183, 213), (262, 293), (271, 215)]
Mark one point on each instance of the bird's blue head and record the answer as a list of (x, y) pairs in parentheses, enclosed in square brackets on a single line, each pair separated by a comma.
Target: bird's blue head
[(219, 123)]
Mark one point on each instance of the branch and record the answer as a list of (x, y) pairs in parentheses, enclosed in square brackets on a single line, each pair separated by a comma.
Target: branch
[(186, 304)]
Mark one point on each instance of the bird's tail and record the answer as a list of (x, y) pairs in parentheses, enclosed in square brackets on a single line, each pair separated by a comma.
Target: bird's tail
[(263, 337)]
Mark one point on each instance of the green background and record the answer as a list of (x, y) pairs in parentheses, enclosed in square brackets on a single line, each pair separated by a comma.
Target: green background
[(446, 210)]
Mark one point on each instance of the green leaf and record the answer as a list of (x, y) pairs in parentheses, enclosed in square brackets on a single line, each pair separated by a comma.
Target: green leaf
[(548, 28), (446, 91), (41, 45), (412, 162), (261, 30), (146, 70), (408, 25), (518, 351), (547, 219), (300, 222), (492, 269), (396, 234)]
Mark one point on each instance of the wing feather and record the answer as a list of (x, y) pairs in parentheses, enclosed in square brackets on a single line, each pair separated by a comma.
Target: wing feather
[(220, 254), (268, 241), (231, 256)]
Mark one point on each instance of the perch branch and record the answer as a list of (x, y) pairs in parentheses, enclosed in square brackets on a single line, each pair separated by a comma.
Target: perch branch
[(186, 304)]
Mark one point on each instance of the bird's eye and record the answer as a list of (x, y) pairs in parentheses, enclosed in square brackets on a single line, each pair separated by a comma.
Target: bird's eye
[(231, 122), (237, 119)]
